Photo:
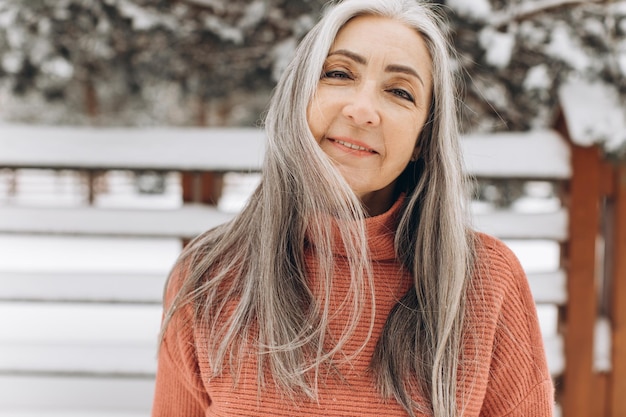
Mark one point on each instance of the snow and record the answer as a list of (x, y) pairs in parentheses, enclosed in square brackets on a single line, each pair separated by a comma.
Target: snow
[(60, 326), (602, 346), (40, 50), (537, 78), (282, 54), (498, 46), (619, 54), (479, 10), (532, 33), (141, 19), (84, 254), (595, 28), (253, 15), (604, 122), (221, 149), (7, 17), (12, 62), (44, 26), (223, 31), (58, 67), (564, 47), (302, 25), (60, 396), (496, 94), (16, 37), (536, 255), (617, 7), (72, 413)]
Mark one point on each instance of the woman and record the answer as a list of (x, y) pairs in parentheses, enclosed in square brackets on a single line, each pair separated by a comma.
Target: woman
[(351, 284)]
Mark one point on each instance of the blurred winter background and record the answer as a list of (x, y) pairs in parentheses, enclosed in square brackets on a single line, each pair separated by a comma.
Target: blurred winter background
[(213, 63)]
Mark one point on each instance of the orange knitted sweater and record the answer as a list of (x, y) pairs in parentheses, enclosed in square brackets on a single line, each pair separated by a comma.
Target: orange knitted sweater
[(507, 374)]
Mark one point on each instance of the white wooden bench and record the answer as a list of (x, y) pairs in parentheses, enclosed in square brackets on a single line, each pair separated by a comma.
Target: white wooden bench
[(84, 343)]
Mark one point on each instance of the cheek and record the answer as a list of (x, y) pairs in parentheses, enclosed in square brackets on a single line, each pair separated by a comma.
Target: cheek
[(410, 136), (316, 120)]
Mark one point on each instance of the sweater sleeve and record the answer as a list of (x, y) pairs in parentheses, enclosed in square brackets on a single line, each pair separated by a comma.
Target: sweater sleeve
[(179, 391), (519, 383)]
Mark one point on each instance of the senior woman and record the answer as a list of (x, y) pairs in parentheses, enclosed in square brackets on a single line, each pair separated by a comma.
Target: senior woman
[(351, 282)]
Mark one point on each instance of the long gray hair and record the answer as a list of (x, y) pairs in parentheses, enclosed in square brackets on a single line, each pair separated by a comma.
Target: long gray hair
[(247, 278)]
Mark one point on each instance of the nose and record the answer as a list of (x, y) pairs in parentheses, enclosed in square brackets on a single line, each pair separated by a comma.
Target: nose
[(362, 106)]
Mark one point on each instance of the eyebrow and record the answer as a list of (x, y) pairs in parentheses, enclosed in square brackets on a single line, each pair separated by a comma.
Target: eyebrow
[(390, 68)]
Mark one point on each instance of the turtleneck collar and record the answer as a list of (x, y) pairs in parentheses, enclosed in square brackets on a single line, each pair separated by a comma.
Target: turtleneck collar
[(380, 232)]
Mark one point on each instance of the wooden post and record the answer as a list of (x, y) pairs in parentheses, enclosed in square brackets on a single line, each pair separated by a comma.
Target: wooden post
[(599, 404), (91, 186), (202, 187), (617, 379), (581, 309), (91, 100)]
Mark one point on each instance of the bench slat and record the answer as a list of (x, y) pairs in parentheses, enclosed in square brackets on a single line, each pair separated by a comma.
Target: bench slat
[(65, 396), (66, 412), (510, 225), (98, 359), (191, 220), (554, 354), (547, 287), (540, 154), (62, 338), (182, 149), (80, 324), (535, 154), (93, 359), (82, 286), (185, 222)]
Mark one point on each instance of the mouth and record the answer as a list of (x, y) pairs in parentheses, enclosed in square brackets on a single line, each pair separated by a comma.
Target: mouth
[(352, 146)]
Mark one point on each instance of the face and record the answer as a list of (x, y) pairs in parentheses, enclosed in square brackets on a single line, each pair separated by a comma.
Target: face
[(371, 103)]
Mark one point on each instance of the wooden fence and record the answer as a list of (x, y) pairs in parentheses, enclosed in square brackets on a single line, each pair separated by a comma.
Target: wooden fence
[(84, 344)]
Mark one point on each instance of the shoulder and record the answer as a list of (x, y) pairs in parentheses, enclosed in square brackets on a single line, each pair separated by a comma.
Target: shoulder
[(499, 279), (504, 315), (175, 281), (492, 251), (180, 298), (499, 297), (496, 265), (518, 376), (177, 313)]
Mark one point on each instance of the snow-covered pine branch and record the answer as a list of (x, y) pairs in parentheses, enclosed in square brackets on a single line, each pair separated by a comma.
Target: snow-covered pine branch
[(524, 10)]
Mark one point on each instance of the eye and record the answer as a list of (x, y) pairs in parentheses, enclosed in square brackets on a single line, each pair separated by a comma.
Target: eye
[(337, 74), (403, 94)]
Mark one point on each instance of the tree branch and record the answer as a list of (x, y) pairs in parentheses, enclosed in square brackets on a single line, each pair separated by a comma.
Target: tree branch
[(529, 9)]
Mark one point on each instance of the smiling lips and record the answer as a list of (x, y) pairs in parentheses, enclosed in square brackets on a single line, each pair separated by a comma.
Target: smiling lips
[(352, 146)]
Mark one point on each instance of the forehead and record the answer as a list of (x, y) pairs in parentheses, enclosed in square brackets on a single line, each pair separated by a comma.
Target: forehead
[(377, 36)]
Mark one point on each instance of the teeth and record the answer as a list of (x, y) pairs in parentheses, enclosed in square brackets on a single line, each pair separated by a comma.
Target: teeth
[(352, 146)]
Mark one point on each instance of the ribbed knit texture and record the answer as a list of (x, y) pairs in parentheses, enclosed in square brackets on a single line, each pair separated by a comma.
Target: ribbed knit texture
[(503, 370)]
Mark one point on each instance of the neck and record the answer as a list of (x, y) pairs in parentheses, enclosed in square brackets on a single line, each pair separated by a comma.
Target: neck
[(379, 201)]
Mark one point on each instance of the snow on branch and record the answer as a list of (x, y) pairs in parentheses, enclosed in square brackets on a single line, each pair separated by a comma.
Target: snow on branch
[(526, 10)]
